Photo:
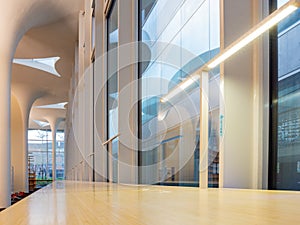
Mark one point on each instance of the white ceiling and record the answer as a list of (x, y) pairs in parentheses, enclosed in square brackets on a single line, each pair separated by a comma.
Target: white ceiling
[(55, 35)]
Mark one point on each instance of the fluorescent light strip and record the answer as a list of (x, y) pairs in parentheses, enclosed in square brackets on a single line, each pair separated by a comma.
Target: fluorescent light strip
[(255, 32), (263, 26), (182, 86)]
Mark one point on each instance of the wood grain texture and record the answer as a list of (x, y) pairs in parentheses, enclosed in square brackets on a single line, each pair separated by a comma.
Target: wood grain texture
[(67, 202)]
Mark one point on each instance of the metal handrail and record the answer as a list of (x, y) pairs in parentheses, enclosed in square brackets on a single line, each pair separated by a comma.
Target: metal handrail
[(111, 139)]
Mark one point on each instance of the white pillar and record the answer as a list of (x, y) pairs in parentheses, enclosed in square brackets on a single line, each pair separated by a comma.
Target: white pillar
[(18, 148), (25, 153), (203, 176), (5, 156), (128, 94), (54, 122), (26, 98), (53, 129), (240, 110), (100, 128)]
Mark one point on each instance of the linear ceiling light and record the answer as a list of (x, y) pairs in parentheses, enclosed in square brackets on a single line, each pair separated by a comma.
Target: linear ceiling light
[(256, 31), (183, 86)]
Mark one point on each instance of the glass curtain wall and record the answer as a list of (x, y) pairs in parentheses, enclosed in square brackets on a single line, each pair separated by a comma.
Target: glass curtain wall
[(40, 150), (285, 59), (177, 38), (112, 88)]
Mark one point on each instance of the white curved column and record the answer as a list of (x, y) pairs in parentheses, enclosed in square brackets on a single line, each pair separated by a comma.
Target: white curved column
[(53, 126), (26, 98), (54, 122), (5, 155)]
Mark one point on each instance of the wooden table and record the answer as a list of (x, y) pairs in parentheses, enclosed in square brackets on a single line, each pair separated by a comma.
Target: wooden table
[(68, 202)]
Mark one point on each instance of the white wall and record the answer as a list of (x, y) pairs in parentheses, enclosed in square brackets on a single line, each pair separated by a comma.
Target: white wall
[(242, 146)]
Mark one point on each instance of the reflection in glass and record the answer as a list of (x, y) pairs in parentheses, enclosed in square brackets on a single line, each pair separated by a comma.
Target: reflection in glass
[(180, 37), (115, 156), (288, 155)]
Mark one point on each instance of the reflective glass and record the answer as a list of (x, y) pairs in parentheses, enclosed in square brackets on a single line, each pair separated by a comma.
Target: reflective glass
[(288, 121), (178, 39)]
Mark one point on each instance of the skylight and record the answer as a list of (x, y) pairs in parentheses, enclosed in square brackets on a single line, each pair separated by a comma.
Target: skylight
[(41, 123), (44, 64), (53, 106)]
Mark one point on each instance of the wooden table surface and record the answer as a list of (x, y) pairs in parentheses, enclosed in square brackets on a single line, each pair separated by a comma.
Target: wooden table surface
[(68, 202)]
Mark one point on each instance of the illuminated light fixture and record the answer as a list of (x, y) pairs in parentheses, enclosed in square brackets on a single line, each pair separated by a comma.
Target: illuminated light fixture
[(183, 86), (170, 98), (255, 32), (44, 64), (162, 115), (41, 123), (245, 39), (53, 106)]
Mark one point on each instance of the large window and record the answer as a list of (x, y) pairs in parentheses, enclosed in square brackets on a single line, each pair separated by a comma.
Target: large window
[(40, 149), (177, 38), (60, 154), (285, 111), (112, 89)]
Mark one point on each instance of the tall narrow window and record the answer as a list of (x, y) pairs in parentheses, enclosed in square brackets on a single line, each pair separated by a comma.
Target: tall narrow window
[(285, 113), (177, 38), (93, 31), (112, 87), (93, 43)]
